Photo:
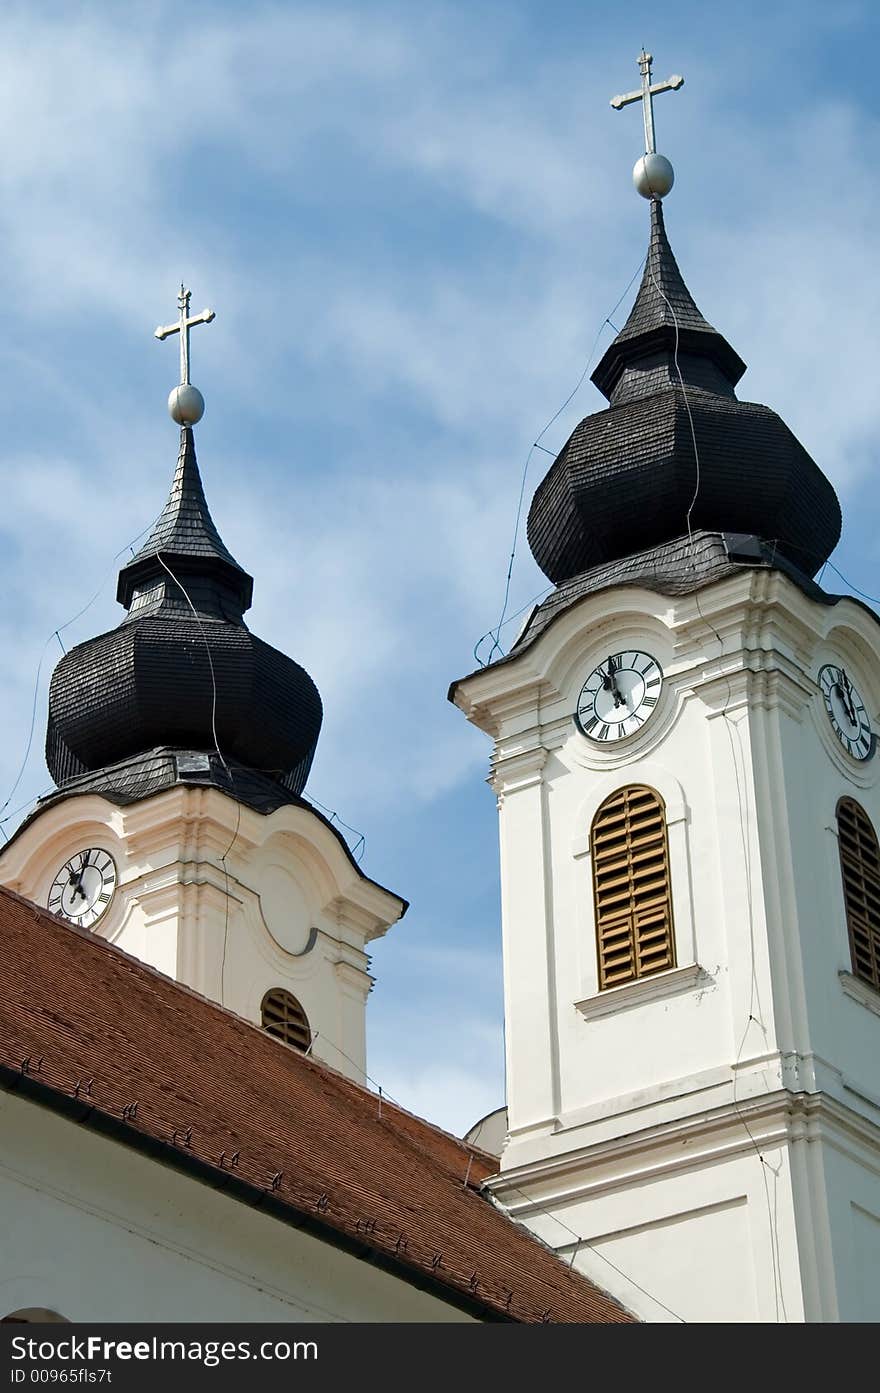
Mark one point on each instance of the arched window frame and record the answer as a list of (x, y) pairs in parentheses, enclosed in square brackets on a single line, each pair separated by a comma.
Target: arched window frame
[(688, 974), (632, 905), (34, 1315), (283, 1016), (859, 857)]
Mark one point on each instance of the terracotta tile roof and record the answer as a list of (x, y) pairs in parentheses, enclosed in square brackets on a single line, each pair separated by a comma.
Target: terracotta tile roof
[(89, 1030)]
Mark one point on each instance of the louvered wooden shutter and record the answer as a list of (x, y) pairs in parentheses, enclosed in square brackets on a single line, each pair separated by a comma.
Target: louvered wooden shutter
[(631, 887), (860, 865), (284, 1017)]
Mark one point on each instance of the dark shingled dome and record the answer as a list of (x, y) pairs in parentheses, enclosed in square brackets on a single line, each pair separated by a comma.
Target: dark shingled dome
[(182, 670), (625, 481)]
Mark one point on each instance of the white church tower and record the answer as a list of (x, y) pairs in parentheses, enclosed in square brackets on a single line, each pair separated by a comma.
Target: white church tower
[(181, 744), (689, 798)]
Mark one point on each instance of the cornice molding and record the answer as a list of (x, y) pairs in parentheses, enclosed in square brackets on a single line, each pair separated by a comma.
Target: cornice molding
[(183, 834), (750, 637), (778, 1119), (517, 769)]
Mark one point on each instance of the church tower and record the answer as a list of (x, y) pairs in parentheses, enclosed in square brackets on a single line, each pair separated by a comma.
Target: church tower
[(689, 798), (180, 744)]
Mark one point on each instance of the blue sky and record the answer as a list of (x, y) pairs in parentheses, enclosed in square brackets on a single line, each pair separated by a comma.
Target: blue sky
[(411, 222)]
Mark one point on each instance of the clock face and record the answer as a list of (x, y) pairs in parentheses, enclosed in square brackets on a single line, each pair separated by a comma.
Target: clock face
[(618, 696), (846, 712), (83, 888)]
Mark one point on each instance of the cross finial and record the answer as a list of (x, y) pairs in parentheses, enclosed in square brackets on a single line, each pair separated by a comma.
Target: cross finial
[(653, 174), (186, 403)]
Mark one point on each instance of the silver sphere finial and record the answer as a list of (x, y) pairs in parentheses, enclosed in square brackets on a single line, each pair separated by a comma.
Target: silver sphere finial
[(653, 176), (186, 405)]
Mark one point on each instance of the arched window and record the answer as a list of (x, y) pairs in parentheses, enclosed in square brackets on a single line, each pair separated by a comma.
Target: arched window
[(860, 867), (631, 891), (283, 1016)]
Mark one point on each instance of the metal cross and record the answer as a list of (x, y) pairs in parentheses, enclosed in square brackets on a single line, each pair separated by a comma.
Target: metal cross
[(645, 95), (182, 328)]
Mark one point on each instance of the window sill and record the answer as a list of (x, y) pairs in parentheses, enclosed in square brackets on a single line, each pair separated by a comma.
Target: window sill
[(860, 991), (674, 982)]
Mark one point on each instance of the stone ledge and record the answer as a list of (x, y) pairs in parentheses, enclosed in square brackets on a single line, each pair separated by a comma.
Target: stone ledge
[(860, 991), (677, 980)]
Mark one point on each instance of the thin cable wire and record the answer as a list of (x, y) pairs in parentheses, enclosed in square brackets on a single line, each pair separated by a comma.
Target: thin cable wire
[(872, 599), (360, 843), (536, 599), (223, 859), (511, 618), (582, 1242), (495, 633), (810, 551), (56, 633), (382, 1090), (30, 738), (687, 404), (198, 620), (22, 807), (732, 729)]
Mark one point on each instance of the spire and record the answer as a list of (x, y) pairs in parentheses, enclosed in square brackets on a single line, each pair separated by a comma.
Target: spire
[(663, 320), (662, 290), (182, 673), (676, 453), (188, 542), (626, 482), (182, 678)]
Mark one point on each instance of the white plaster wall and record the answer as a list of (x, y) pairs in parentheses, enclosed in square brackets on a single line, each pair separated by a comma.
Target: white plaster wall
[(564, 1060), (698, 1246), (853, 1199), (741, 751), (806, 775), (97, 1232)]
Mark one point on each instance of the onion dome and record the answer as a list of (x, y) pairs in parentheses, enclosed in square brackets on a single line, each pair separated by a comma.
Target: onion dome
[(676, 451), (182, 672)]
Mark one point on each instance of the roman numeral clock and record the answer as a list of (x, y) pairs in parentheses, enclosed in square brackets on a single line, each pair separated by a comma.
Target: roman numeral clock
[(619, 696), (846, 712), (83, 888)]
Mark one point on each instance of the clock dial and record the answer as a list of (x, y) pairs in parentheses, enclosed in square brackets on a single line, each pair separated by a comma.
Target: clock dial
[(83, 888), (846, 712), (618, 696)]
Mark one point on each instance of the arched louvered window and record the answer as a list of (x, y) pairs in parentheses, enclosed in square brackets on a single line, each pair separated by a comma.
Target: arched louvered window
[(860, 867), (631, 891), (284, 1017)]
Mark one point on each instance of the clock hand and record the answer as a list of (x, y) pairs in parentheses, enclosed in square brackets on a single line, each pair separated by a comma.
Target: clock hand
[(619, 698), (845, 689), (609, 684), (76, 881)]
